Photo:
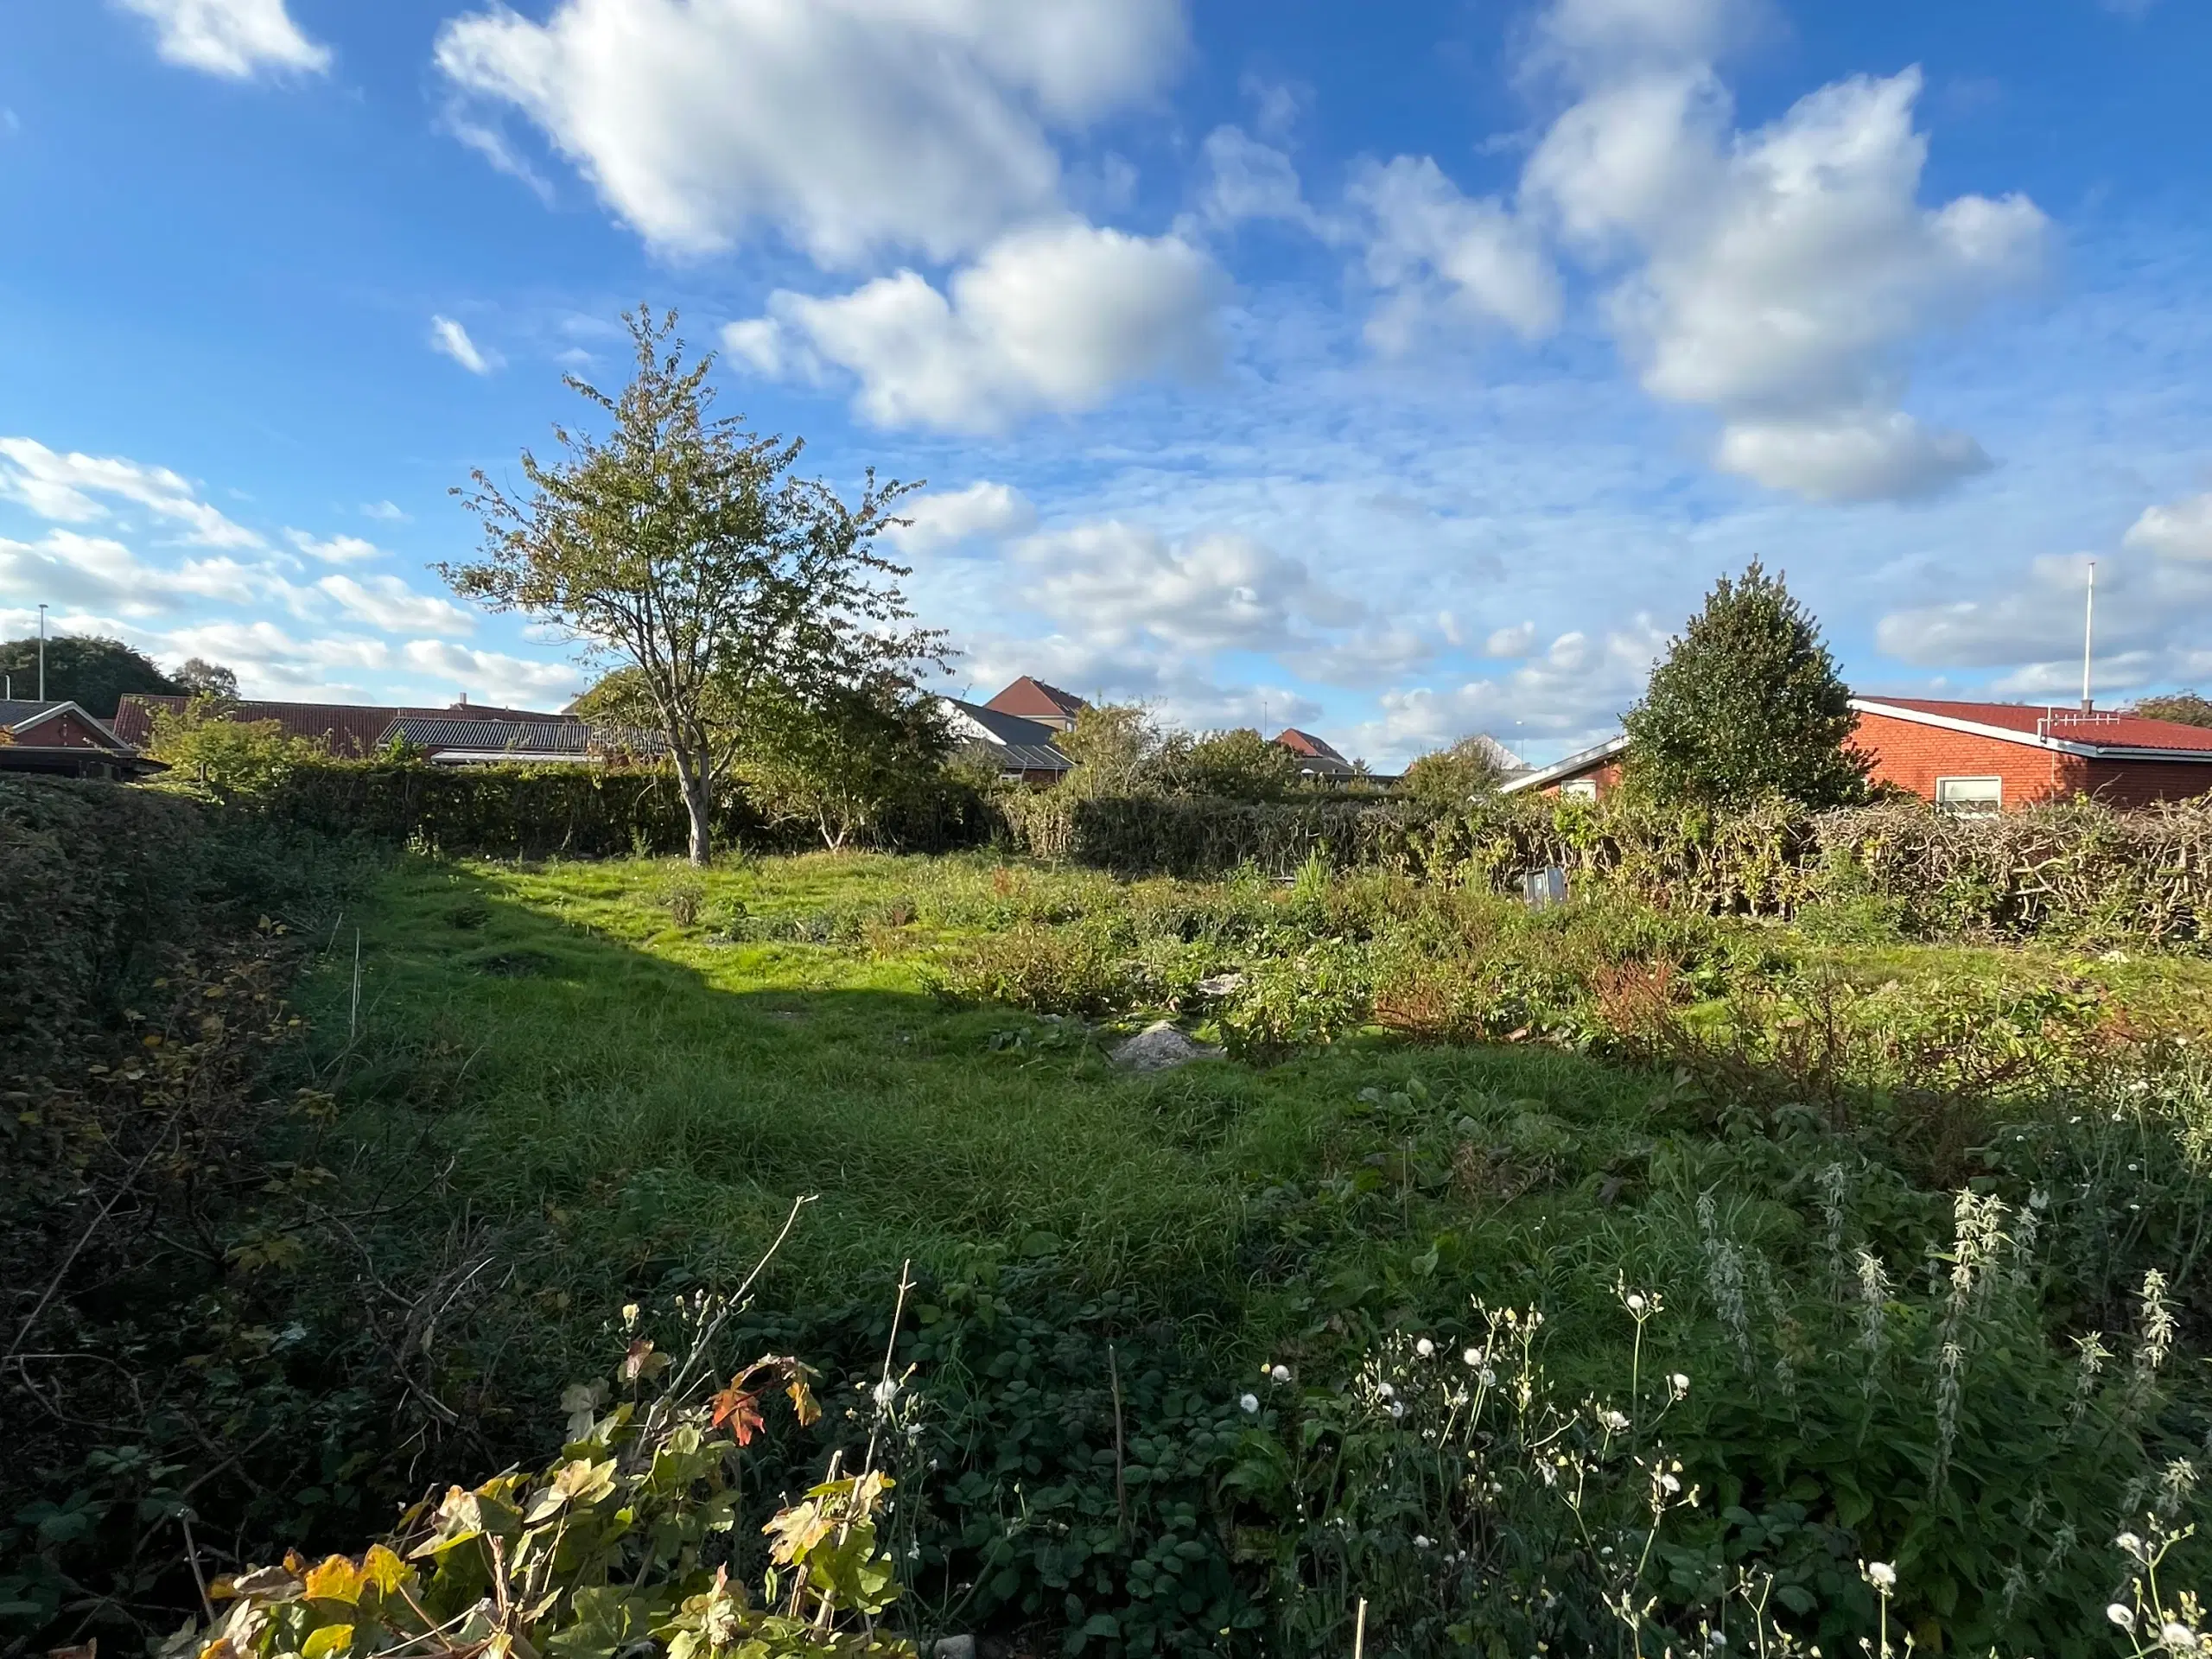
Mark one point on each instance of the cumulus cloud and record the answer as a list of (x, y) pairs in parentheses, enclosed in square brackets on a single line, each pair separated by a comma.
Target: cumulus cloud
[(1510, 645), (1572, 692), (2181, 530), (983, 512), (97, 571), (1117, 582), (450, 339), (853, 126), (65, 488), (389, 603), (492, 676), (336, 550), (237, 39), (1776, 277), (1051, 318), (1435, 252)]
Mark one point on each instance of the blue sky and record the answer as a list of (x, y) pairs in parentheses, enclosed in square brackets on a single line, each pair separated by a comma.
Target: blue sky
[(1398, 371)]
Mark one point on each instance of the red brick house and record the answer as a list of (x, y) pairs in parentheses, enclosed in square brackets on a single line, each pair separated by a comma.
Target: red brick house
[(61, 740), (1979, 757), (1034, 700), (465, 733)]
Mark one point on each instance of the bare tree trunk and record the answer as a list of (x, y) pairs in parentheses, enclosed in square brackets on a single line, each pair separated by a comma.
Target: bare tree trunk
[(698, 801)]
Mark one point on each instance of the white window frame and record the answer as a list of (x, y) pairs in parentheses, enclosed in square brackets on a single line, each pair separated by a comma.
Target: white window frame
[(1579, 789), (1995, 803)]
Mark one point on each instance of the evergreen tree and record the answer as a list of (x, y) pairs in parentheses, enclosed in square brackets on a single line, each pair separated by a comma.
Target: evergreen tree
[(1748, 702)]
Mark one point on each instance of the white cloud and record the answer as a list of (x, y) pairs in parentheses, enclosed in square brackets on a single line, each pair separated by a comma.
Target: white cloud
[(854, 125), (451, 340), (493, 677), (1575, 690), (1860, 454), (2181, 531), (1113, 583), (1511, 644), (69, 569), (62, 488), (1248, 180), (338, 550), (387, 602), (233, 38), (1435, 251), (1052, 318), (1783, 273), (983, 512), (1369, 656), (389, 512)]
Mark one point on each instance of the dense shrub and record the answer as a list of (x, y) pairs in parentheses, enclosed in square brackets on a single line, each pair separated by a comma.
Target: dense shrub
[(2078, 872)]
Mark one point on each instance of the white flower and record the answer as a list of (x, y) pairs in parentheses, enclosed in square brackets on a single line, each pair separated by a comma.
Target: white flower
[(1680, 1383), (1636, 1301), (1882, 1576), (2131, 1543), (1668, 1484), (1616, 1422), (1397, 1409), (1386, 1390), (1420, 1542), (2177, 1635), (2121, 1615), (1472, 1358), (1250, 1404), (885, 1392), (1488, 1378), (1425, 1348)]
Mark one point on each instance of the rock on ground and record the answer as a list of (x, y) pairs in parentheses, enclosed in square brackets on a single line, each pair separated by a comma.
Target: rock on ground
[(1160, 1047)]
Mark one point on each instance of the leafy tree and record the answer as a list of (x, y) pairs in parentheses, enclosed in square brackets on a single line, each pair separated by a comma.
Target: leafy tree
[(842, 759), (197, 677), (1747, 702), (94, 673), (681, 546), (1116, 749), (229, 758), (1232, 766), (2184, 708), (1449, 778)]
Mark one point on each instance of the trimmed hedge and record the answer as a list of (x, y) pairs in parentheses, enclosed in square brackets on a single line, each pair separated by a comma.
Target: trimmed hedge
[(2079, 873)]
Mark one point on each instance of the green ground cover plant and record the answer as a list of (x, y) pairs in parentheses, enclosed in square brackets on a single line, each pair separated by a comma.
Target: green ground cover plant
[(1891, 1255)]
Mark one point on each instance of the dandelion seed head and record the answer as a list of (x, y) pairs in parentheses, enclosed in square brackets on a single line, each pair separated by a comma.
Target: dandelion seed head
[(1883, 1575), (1280, 1374), (1425, 1348), (2177, 1635), (1249, 1405), (2121, 1615)]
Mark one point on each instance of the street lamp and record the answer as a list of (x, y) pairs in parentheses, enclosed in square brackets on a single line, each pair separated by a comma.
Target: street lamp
[(42, 653)]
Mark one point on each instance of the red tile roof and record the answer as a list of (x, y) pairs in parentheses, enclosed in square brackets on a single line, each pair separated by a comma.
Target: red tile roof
[(2061, 723), (1305, 743), (1032, 699)]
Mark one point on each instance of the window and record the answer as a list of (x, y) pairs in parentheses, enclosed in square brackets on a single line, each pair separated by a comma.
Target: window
[(1579, 789), (1970, 794)]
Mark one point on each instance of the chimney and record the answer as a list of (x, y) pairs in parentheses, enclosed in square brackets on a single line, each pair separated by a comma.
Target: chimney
[(464, 699)]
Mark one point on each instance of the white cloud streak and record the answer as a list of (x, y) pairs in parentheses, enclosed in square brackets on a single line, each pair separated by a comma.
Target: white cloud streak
[(450, 339), (66, 489), (235, 39)]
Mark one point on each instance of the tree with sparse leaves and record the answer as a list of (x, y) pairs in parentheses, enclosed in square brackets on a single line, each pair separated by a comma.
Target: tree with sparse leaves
[(197, 677), (683, 547), (2183, 708), (1748, 702)]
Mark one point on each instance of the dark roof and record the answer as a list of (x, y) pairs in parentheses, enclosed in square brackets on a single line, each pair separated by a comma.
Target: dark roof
[(441, 732), (351, 729), (2051, 725), (1014, 742), (1033, 699)]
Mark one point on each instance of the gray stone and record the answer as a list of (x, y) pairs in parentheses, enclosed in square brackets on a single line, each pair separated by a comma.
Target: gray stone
[(1220, 984), (955, 1647), (1160, 1047)]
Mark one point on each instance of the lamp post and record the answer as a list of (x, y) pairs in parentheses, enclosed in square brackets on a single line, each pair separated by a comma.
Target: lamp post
[(42, 653)]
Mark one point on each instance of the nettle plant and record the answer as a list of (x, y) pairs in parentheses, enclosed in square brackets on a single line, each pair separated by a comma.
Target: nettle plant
[(625, 1544)]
